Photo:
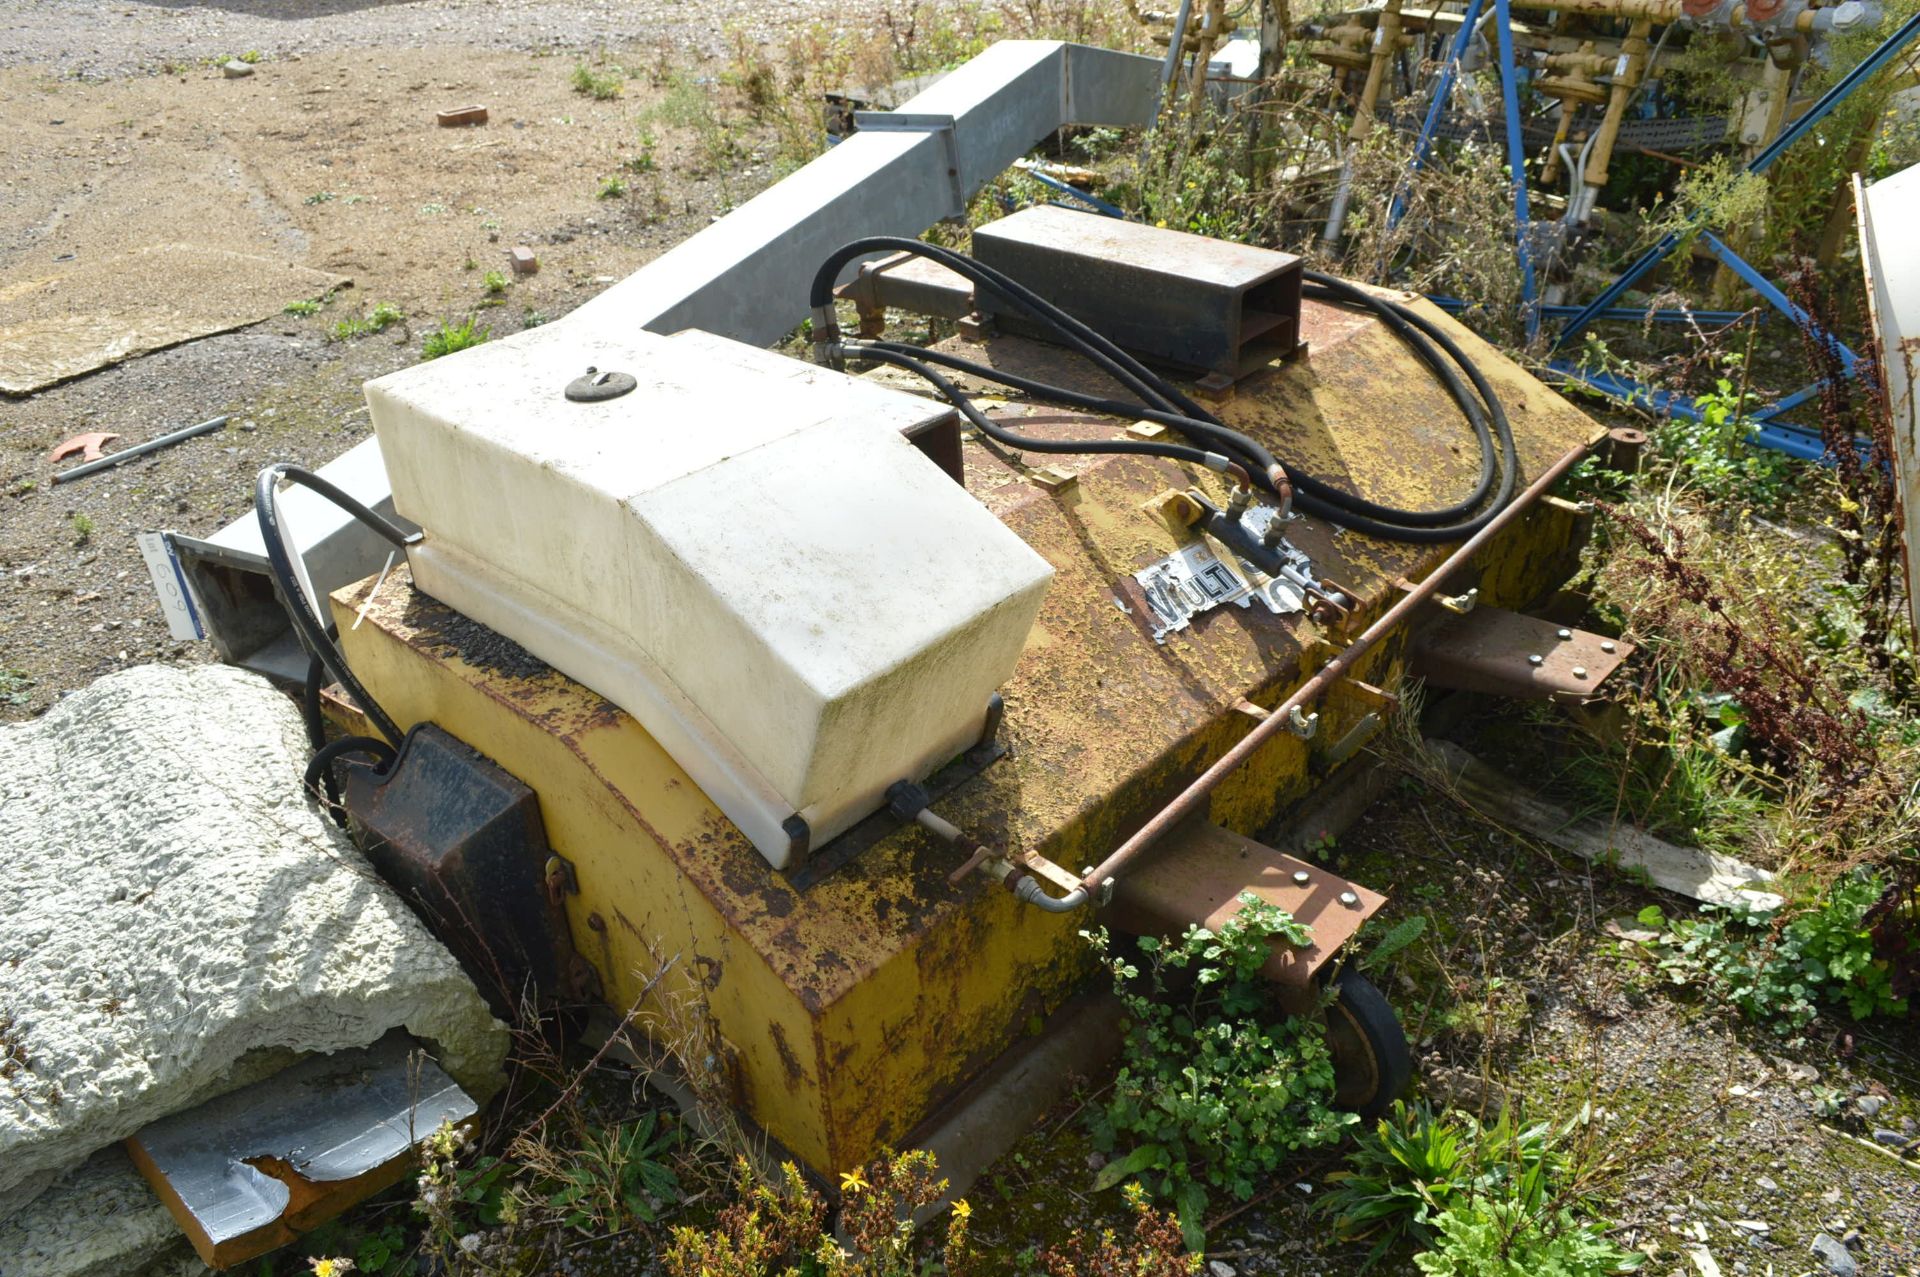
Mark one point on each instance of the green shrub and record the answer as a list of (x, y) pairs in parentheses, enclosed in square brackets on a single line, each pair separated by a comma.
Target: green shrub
[(450, 337), (1217, 1086), (1779, 975)]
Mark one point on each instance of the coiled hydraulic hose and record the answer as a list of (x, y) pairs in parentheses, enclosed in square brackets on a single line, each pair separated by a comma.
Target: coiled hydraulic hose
[(1160, 401)]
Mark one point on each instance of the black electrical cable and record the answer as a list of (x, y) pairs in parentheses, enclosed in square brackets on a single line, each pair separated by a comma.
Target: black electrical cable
[(1165, 403), (314, 636), (320, 766)]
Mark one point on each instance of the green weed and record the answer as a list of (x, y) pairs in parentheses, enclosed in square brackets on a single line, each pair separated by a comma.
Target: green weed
[(1217, 1086), (1716, 453), (611, 188), (600, 87), (613, 1175), (15, 687), (82, 528), (1781, 975), (495, 283), (450, 337), (1498, 1199), (643, 160), (780, 1228), (382, 317), (308, 306)]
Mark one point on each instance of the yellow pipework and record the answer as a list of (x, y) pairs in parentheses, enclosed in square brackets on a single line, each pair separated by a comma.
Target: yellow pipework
[(1627, 72), (1386, 42)]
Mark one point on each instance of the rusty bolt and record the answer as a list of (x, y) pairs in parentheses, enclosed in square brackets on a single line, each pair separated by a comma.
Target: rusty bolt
[(1536, 660), (596, 923), (1348, 899), (1302, 877)]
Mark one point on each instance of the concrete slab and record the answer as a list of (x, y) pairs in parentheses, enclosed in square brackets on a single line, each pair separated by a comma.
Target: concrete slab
[(177, 920), (98, 1220)]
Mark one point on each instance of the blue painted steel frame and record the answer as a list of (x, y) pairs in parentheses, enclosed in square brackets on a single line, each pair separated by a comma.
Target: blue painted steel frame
[(1442, 90), (1759, 164), (1517, 167), (1772, 433)]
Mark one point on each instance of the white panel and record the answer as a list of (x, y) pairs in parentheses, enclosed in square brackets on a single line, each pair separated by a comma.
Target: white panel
[(1890, 255)]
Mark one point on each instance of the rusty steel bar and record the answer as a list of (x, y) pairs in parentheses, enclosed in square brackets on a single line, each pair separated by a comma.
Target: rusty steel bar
[(1191, 797)]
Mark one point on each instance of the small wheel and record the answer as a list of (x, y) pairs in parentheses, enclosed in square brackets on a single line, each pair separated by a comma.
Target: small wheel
[(1371, 1062)]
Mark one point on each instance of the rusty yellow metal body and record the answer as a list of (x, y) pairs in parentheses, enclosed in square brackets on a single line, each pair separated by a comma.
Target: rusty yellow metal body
[(852, 1009)]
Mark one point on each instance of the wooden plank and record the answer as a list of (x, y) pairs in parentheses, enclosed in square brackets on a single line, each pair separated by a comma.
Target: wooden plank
[(1687, 871)]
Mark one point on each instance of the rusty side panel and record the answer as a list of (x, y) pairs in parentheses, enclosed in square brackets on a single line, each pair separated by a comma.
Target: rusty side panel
[(858, 1004)]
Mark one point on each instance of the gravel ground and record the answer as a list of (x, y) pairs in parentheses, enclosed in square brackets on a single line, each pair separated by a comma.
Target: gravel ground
[(324, 157), (96, 40)]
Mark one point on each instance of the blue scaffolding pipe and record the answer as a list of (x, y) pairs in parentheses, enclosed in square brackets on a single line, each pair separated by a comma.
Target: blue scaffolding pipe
[(1068, 189), (1664, 315), (1442, 90), (1779, 300), (1517, 167), (1769, 432)]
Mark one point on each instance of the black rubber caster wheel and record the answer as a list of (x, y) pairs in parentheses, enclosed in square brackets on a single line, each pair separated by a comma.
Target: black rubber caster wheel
[(1371, 1062)]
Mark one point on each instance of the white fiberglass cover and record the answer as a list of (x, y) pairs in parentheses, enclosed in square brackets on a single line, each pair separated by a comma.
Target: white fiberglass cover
[(745, 552)]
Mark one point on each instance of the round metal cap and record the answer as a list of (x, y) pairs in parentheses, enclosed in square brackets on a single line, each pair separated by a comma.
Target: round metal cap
[(597, 387)]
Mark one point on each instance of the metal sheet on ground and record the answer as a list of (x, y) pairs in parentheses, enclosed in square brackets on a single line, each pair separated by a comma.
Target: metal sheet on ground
[(70, 318), (243, 1173)]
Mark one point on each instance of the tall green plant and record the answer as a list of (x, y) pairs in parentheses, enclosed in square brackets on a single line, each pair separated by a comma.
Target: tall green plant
[(1218, 1087), (1477, 1199)]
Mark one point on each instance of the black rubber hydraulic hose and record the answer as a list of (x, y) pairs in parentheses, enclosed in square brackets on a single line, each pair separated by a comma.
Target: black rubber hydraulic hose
[(320, 775), (994, 430), (1220, 438), (1168, 405), (1116, 362), (307, 628)]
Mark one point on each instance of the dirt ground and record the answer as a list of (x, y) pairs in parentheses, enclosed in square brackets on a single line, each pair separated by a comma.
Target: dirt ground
[(124, 134)]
